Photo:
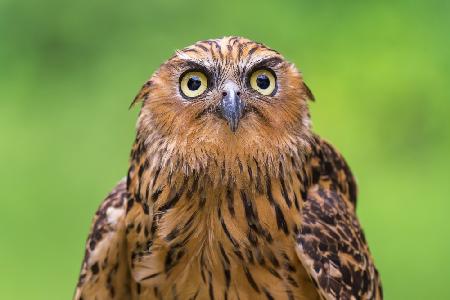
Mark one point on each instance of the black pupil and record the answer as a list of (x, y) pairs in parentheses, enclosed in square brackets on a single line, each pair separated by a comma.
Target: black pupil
[(263, 81), (194, 83)]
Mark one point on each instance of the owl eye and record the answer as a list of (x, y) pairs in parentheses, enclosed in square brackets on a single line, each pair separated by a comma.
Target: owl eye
[(263, 81), (193, 84)]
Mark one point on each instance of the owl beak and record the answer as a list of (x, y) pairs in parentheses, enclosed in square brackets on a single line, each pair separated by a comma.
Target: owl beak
[(231, 106)]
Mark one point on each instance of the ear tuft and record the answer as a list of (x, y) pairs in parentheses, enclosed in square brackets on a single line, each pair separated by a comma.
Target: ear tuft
[(308, 92), (142, 95)]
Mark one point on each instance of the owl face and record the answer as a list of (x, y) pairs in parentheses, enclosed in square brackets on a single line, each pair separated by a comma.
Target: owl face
[(226, 93)]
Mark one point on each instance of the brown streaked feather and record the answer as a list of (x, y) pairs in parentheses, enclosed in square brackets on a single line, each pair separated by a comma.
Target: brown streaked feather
[(330, 242), (142, 95), (308, 92), (104, 272)]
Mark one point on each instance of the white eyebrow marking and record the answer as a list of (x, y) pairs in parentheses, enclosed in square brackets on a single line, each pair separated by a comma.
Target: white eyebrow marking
[(183, 55)]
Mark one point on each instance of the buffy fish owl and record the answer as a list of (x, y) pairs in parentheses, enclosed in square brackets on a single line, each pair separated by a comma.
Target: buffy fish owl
[(229, 194)]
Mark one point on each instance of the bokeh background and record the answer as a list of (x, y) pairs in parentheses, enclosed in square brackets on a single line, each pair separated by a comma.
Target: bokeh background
[(69, 70)]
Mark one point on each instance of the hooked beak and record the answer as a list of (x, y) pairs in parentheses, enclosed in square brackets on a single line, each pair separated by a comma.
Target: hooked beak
[(231, 106)]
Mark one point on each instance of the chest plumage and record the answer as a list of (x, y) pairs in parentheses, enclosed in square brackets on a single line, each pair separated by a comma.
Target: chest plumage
[(221, 241)]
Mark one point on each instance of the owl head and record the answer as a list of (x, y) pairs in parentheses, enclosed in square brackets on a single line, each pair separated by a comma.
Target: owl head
[(224, 102)]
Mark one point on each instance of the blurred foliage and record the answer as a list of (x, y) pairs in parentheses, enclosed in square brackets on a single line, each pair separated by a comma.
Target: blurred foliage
[(69, 70)]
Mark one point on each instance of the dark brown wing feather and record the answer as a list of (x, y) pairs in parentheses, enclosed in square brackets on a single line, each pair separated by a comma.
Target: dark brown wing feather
[(331, 244), (104, 272)]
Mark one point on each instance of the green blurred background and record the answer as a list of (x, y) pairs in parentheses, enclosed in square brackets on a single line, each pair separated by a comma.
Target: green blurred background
[(69, 70)]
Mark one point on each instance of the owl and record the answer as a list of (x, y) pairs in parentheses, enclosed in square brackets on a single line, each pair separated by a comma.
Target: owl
[(229, 193)]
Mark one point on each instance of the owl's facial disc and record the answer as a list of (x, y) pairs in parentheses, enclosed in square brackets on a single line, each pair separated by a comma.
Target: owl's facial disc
[(231, 105), (221, 98)]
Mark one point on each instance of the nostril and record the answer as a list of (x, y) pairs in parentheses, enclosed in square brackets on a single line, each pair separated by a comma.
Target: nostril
[(238, 93), (224, 94)]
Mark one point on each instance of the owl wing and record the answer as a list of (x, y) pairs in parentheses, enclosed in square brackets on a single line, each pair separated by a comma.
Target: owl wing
[(104, 272), (330, 243)]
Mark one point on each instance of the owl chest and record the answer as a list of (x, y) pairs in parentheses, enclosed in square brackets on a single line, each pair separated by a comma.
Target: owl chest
[(232, 247)]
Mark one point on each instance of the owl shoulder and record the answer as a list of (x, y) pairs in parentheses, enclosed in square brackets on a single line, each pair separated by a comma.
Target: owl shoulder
[(329, 166)]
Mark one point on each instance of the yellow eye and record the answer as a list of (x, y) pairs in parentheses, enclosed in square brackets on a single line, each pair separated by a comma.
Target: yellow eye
[(263, 81), (193, 84)]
